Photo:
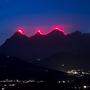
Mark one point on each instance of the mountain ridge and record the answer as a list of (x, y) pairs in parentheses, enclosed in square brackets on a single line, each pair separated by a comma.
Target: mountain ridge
[(41, 46)]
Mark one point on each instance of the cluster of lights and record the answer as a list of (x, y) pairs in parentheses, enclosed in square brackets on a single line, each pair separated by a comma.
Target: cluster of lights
[(74, 72), (79, 73), (74, 87), (19, 81), (13, 83)]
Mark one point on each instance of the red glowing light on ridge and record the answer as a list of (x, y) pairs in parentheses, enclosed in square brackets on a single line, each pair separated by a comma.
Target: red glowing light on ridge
[(21, 31), (59, 27), (39, 31), (60, 30)]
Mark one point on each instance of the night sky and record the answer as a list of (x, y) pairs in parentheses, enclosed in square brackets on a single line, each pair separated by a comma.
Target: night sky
[(43, 14)]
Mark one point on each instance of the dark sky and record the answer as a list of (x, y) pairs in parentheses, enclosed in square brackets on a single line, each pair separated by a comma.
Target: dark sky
[(43, 14)]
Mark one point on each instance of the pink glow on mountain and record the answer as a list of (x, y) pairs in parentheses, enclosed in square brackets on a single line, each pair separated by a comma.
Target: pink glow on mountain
[(40, 32), (59, 27), (21, 31)]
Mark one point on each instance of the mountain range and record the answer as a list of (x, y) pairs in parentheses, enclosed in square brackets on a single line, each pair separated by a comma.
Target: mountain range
[(52, 48)]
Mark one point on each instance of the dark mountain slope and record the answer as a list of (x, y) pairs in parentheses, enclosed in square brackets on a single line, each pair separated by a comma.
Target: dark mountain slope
[(14, 68)]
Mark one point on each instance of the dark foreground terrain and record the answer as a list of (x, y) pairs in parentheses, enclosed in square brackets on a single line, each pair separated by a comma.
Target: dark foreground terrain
[(16, 74), (42, 85)]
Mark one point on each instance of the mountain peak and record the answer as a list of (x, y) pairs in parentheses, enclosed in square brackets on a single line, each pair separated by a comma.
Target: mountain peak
[(18, 35), (20, 32), (39, 33), (76, 34), (56, 32), (59, 30)]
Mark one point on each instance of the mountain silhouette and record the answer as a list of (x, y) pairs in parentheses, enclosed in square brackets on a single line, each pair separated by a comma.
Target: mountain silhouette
[(35, 46), (40, 47), (15, 68)]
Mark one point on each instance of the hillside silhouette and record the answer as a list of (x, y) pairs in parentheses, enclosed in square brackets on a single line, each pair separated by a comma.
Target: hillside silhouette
[(54, 47)]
